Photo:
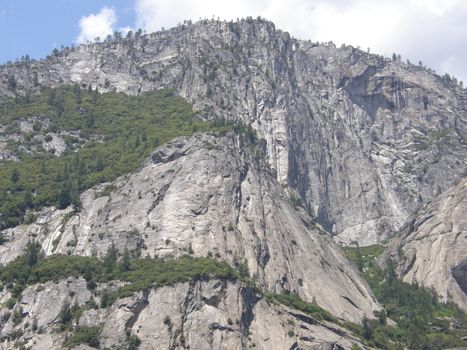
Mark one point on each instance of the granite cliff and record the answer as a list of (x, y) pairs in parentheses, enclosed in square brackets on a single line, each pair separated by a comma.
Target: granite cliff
[(364, 140), (345, 147), (431, 249), (207, 196)]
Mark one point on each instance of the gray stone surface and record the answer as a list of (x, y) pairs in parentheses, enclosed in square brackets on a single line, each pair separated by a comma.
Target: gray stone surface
[(208, 196), (198, 315), (432, 249), (363, 139), (350, 143)]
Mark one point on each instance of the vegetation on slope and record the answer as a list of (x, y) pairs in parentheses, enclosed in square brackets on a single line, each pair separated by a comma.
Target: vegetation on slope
[(142, 274), (84, 335), (107, 135), (312, 309), (413, 316), (136, 273), (422, 321), (139, 275)]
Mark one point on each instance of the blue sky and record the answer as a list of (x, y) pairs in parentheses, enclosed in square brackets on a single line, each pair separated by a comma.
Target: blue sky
[(35, 27), (431, 31)]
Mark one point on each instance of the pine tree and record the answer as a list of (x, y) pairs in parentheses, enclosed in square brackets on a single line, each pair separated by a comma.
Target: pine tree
[(99, 163), (64, 196), (110, 258), (65, 314), (59, 104), (367, 331), (35, 79), (12, 82), (382, 318), (105, 299), (28, 200), (14, 177), (90, 120), (95, 95), (51, 97), (44, 170), (32, 252), (359, 261), (77, 92), (3, 238), (126, 261)]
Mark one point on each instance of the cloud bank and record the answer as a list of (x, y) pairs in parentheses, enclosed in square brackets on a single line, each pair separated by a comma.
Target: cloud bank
[(431, 31), (97, 25)]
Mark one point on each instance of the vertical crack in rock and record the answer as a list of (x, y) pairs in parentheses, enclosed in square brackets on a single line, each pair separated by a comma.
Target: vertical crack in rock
[(263, 256), (188, 304), (159, 197), (294, 346), (238, 190), (137, 309), (249, 300)]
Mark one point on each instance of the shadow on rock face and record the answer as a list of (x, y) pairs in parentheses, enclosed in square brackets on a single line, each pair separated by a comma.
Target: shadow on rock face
[(460, 275), (370, 95)]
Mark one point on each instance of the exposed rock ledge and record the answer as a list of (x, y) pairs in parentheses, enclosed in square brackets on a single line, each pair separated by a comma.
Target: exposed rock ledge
[(198, 315), (208, 195)]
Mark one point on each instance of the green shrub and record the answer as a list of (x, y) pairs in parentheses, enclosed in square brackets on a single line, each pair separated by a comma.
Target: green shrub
[(295, 302), (84, 335), (17, 316), (10, 303), (133, 342)]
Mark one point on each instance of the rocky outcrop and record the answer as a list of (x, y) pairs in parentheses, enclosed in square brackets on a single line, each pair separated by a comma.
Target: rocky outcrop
[(364, 140), (432, 249), (212, 314), (208, 196), (347, 143)]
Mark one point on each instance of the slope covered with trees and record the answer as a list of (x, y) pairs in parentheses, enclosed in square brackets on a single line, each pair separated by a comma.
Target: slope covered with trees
[(106, 135), (422, 321)]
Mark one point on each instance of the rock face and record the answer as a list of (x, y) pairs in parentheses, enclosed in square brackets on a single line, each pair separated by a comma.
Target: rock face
[(50, 142), (198, 315), (348, 143), (432, 248), (364, 140), (208, 196)]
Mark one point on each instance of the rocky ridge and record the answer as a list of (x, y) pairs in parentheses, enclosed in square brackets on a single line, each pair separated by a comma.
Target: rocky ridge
[(350, 143), (364, 140)]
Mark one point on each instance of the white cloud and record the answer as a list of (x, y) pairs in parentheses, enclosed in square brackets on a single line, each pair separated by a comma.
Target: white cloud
[(431, 31), (155, 14), (97, 25), (125, 30)]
